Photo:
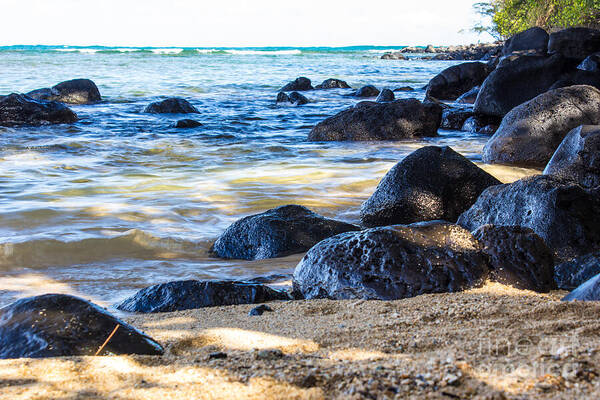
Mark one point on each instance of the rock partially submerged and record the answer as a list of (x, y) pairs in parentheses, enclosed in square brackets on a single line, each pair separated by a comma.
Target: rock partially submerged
[(577, 158), (400, 119), (393, 55), (172, 105), (76, 91), (56, 325), (431, 183), (333, 83), (588, 291), (574, 273), (278, 232), (483, 124), (18, 109), (293, 98), (532, 132), (187, 123), (454, 118), (456, 80), (565, 215), (469, 97), (366, 91), (518, 257), (301, 84), (385, 95), (392, 262), (186, 295)]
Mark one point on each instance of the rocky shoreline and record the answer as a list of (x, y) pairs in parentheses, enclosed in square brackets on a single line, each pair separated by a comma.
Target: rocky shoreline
[(437, 224)]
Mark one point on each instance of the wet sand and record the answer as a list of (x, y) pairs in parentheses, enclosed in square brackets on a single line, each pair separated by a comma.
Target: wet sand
[(493, 342)]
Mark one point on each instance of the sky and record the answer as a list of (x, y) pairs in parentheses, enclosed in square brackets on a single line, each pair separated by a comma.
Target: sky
[(237, 23)]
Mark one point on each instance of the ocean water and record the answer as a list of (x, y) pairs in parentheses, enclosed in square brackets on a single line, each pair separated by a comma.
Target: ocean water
[(122, 200)]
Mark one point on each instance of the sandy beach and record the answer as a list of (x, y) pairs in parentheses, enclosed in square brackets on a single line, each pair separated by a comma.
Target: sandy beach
[(493, 342)]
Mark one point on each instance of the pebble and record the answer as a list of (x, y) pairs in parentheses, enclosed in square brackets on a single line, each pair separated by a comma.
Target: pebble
[(269, 354), (260, 310), (217, 355)]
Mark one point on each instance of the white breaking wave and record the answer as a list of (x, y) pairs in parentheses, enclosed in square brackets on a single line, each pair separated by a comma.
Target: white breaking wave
[(264, 52), (167, 51)]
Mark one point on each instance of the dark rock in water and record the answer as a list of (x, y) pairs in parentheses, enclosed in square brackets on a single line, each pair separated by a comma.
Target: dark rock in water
[(18, 109), (332, 83), (576, 43), (518, 257), (400, 119), (76, 91), (483, 124), (578, 157), (588, 291), (294, 98), (392, 262), (469, 97), (578, 77), (573, 273), (591, 63), (531, 132), (404, 89), (278, 232), (366, 91), (186, 295), (535, 39), (272, 278), (456, 80), (396, 55), (516, 80), (260, 310), (55, 325), (172, 105), (454, 118), (299, 84), (561, 212), (385, 95), (187, 123), (431, 183)]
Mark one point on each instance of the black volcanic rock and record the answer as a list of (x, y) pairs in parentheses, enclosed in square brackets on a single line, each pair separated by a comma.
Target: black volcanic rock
[(187, 123), (575, 272), (293, 98), (76, 91), (400, 119), (483, 124), (278, 232), (587, 291), (385, 95), (591, 63), (18, 109), (456, 80), (454, 118), (578, 157), (469, 97), (366, 91), (532, 132), (518, 257), (392, 262), (56, 325), (575, 43), (299, 84), (535, 39), (172, 105), (429, 184), (186, 295), (332, 83), (565, 215)]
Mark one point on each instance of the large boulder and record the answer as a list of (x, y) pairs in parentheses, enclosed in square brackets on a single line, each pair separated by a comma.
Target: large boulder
[(400, 119), (333, 83), (185, 295), (278, 232), (561, 212), (76, 91), (172, 105), (55, 325), (429, 184), (587, 291), (18, 109), (578, 77), (392, 262), (578, 157), (532, 39), (456, 80), (366, 91), (575, 43), (531, 132), (385, 95), (591, 63), (575, 272), (299, 84), (518, 257), (516, 80)]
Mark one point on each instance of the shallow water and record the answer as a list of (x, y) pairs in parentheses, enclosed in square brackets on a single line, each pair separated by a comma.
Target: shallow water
[(121, 200)]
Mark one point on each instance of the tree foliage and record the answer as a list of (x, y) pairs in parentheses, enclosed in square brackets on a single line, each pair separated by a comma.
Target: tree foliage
[(508, 17)]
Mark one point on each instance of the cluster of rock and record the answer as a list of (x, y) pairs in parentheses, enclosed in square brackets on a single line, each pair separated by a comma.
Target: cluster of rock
[(480, 51)]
